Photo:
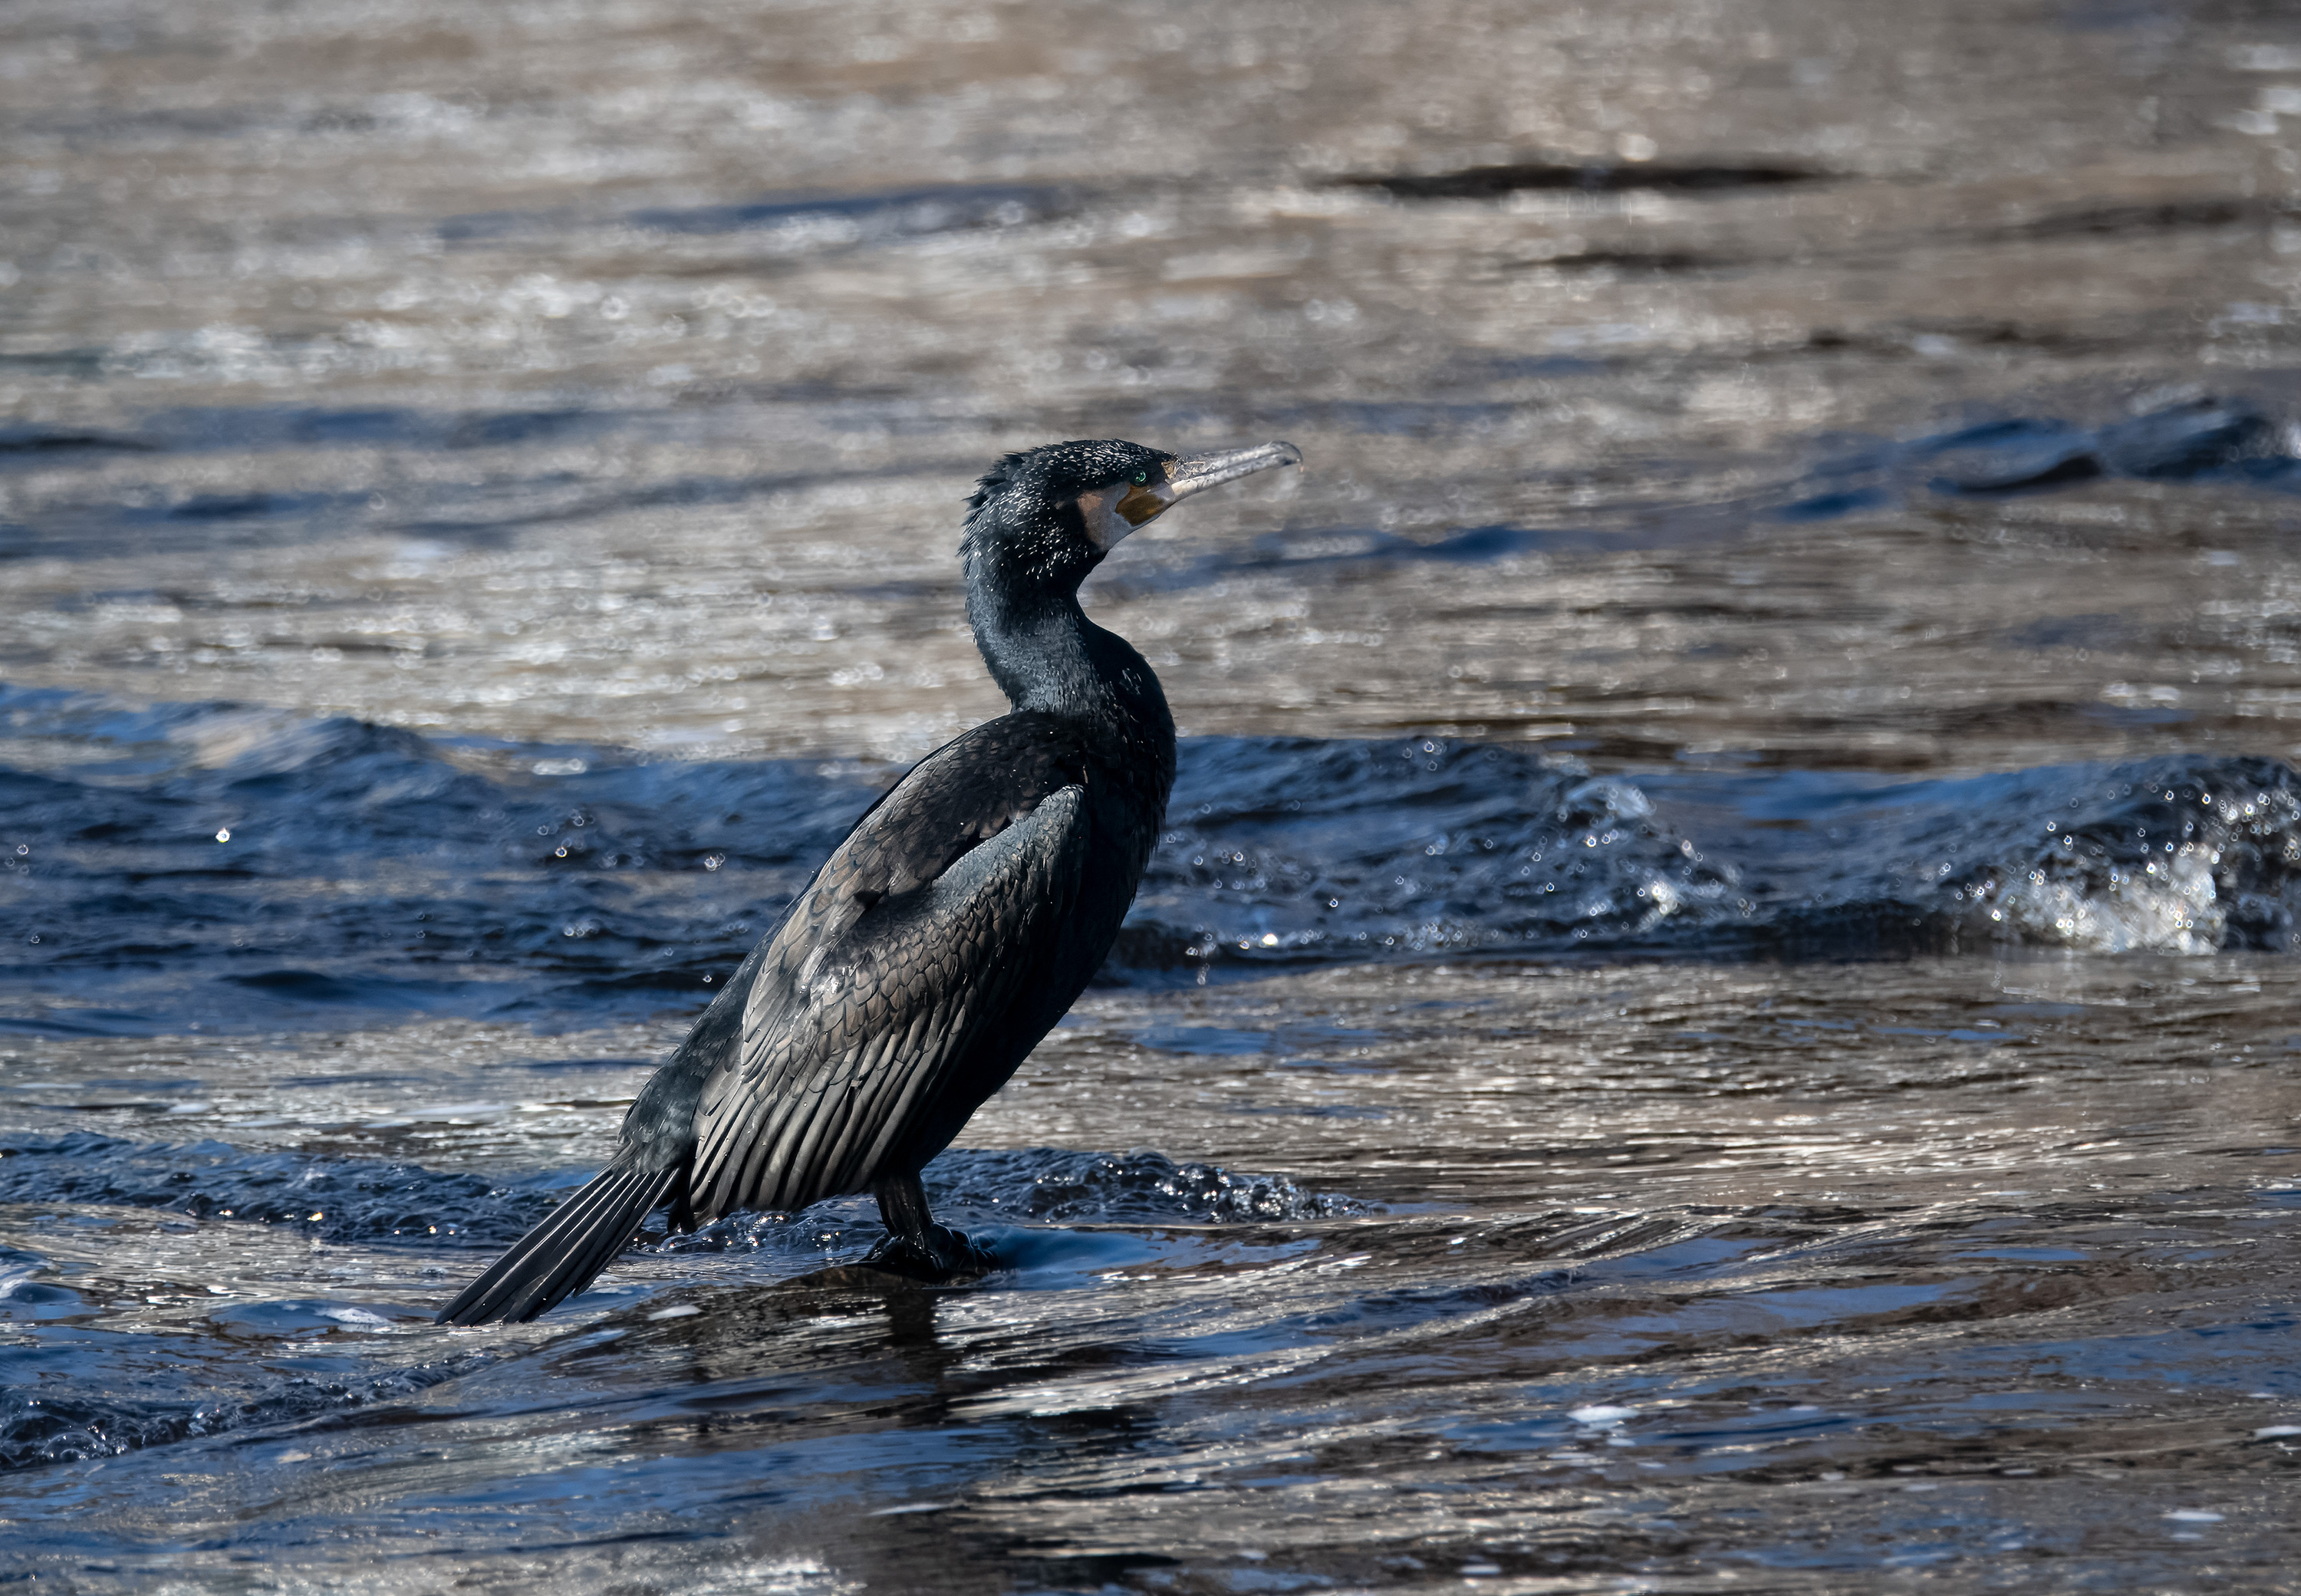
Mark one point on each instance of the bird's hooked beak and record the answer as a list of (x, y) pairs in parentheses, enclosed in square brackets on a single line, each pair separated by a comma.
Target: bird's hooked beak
[(1133, 506)]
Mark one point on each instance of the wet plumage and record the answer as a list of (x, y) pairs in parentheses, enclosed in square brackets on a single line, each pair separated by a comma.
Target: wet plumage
[(944, 936)]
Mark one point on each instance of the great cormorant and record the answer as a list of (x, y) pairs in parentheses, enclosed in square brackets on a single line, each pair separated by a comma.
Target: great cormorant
[(944, 936)]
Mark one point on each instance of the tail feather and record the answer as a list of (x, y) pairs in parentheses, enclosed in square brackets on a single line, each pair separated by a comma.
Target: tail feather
[(561, 1256)]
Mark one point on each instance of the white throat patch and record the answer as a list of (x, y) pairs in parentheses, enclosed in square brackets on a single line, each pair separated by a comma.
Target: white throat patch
[(1110, 513)]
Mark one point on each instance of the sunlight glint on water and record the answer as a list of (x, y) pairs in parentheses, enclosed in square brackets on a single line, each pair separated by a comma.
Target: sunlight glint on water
[(1717, 1007)]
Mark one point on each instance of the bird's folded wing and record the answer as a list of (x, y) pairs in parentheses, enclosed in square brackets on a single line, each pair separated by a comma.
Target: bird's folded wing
[(870, 996)]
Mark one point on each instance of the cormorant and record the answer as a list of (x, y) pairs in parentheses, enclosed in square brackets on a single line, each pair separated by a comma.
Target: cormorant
[(944, 936)]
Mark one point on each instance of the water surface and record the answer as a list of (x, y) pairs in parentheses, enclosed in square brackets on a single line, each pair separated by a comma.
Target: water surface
[(1717, 1010)]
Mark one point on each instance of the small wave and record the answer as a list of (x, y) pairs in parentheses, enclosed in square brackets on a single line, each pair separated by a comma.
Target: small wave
[(354, 1201), (2186, 854), (2203, 439), (248, 867), (2193, 439), (1285, 852), (1280, 850), (1049, 1184), (44, 1424), (2175, 442), (2181, 860), (332, 1200), (227, 864), (1039, 1185)]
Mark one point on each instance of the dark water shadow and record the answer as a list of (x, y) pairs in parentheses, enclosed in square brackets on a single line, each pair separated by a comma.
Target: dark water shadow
[(1593, 177), (805, 221)]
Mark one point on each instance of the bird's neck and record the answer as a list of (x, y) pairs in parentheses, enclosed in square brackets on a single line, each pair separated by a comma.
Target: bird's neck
[(1046, 655)]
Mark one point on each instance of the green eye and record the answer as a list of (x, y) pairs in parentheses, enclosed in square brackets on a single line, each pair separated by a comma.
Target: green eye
[(1142, 476)]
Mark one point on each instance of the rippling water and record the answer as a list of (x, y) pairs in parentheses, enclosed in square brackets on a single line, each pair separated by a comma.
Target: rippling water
[(1718, 1007)]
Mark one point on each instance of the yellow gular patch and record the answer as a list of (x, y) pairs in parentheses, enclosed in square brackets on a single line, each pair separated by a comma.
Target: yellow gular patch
[(1140, 505)]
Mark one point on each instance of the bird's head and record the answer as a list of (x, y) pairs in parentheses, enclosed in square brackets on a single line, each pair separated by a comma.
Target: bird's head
[(1042, 519)]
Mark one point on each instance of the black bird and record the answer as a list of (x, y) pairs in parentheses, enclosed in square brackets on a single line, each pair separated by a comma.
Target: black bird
[(944, 936)]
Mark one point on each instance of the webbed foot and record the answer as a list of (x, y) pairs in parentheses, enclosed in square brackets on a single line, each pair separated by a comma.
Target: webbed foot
[(937, 1255)]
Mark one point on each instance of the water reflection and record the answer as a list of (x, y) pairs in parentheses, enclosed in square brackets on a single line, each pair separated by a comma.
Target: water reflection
[(1763, 1260)]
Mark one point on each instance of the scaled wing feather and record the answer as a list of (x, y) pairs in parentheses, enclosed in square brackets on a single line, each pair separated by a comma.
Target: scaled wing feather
[(832, 1068)]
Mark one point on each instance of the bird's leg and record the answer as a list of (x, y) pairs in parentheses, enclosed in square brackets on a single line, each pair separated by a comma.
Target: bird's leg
[(915, 1245)]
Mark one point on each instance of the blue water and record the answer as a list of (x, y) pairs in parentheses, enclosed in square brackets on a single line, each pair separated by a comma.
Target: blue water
[(220, 1298), (244, 867)]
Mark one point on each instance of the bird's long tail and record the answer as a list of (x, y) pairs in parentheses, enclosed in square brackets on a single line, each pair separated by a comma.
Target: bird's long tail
[(559, 1257)]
